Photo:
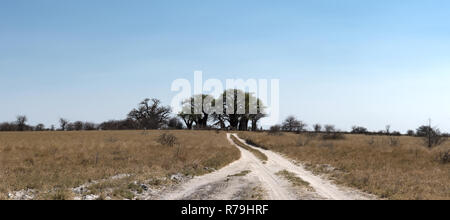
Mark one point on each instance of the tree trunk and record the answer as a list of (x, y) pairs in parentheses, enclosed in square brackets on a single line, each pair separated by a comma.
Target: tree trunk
[(254, 125), (234, 122), (243, 124)]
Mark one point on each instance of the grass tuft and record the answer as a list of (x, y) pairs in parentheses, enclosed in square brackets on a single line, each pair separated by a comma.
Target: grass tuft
[(255, 152), (294, 179), (243, 173)]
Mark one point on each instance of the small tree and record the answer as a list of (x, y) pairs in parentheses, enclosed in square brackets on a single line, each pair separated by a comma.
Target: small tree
[(21, 122), (332, 134), (39, 127), (388, 129), (63, 124), (317, 128), (432, 136), (359, 130), (292, 124), (330, 128), (411, 133)]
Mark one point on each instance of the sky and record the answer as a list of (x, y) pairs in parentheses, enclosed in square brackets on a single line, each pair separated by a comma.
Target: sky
[(343, 62)]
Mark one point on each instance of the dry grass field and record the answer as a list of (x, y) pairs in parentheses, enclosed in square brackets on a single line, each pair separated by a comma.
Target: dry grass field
[(52, 163), (389, 167)]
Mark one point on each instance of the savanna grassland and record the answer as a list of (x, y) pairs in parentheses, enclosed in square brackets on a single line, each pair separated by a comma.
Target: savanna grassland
[(389, 167), (52, 163)]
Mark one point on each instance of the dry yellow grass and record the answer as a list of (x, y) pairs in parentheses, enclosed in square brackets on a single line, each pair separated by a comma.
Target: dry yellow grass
[(406, 170), (53, 162), (260, 155), (294, 179)]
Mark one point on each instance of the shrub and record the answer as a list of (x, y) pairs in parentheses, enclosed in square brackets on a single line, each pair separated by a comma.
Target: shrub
[(275, 130), (332, 134), (359, 130), (432, 136), (330, 128), (292, 124), (444, 157), (167, 140), (175, 123), (317, 128), (411, 133)]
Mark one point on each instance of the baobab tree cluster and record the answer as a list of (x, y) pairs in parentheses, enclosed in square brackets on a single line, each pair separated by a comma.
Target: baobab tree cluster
[(233, 110)]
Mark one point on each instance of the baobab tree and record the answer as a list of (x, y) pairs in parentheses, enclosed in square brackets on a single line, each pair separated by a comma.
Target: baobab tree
[(196, 110), (239, 108), (150, 114)]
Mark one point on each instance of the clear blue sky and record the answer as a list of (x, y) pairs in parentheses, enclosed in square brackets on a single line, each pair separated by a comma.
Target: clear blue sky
[(344, 62)]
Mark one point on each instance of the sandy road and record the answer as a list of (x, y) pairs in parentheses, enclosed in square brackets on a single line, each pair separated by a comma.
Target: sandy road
[(261, 182)]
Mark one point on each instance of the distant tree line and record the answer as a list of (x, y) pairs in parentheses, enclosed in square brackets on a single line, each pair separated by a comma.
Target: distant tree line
[(432, 136), (236, 114), (18, 125)]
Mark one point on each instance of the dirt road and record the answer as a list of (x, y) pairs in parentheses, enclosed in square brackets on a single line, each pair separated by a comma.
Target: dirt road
[(250, 178)]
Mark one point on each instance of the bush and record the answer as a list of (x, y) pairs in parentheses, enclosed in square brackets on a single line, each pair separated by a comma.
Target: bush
[(175, 123), (444, 157), (411, 133), (432, 136), (359, 130), (331, 133), (275, 130), (167, 140)]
